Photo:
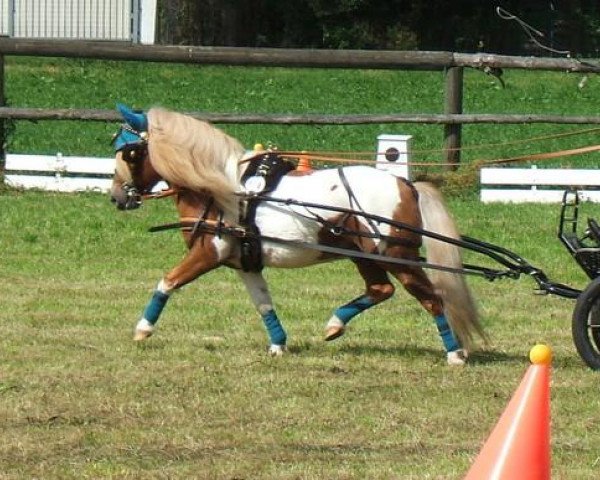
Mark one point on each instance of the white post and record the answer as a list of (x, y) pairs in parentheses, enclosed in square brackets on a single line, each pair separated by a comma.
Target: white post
[(393, 152), (147, 22), (59, 170)]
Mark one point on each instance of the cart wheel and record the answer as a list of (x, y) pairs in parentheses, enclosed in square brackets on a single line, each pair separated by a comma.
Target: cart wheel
[(586, 325)]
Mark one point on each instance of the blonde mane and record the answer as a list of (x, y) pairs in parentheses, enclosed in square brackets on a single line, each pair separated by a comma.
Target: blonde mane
[(193, 154)]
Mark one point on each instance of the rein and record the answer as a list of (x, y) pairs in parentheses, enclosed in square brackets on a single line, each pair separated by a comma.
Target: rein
[(168, 192), (479, 163), (221, 228), (544, 156), (515, 265)]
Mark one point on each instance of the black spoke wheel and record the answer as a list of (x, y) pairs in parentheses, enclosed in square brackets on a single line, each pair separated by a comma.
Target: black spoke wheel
[(586, 325)]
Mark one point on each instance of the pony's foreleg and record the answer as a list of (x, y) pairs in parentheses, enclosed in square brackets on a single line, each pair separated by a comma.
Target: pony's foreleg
[(145, 326), (378, 289), (201, 258), (417, 284), (259, 292)]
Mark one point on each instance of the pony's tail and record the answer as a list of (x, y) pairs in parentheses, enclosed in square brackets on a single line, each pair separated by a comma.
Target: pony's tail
[(459, 306)]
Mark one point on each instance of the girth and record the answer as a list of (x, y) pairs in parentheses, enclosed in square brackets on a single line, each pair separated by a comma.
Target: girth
[(262, 176)]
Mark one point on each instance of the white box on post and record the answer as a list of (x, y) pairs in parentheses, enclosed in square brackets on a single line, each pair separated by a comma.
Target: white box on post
[(393, 154)]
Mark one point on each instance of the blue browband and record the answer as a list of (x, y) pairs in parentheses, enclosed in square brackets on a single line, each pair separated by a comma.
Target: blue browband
[(133, 132)]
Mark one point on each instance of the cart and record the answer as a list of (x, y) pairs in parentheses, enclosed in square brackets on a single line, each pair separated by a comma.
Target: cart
[(585, 249)]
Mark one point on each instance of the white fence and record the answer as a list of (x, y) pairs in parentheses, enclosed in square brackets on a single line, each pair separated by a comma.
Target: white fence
[(121, 20), (73, 174), (58, 173), (544, 185), (518, 185)]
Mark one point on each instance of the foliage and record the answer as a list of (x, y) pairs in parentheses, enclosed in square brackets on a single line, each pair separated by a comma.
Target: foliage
[(469, 25)]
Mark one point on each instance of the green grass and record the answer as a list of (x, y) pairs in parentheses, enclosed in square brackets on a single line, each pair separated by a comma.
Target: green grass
[(101, 84), (202, 400)]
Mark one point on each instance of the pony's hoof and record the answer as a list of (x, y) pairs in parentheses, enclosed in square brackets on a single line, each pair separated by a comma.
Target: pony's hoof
[(458, 358), (331, 333), (141, 335), (276, 350)]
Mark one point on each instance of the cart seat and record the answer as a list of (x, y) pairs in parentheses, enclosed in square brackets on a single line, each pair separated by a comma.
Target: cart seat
[(589, 259)]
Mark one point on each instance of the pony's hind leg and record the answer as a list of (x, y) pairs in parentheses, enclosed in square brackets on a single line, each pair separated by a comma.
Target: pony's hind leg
[(259, 292), (414, 280), (378, 288)]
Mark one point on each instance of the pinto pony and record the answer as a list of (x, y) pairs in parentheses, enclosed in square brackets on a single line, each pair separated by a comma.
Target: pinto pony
[(203, 166)]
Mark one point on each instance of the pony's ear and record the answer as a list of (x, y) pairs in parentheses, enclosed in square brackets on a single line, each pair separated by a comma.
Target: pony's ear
[(137, 120)]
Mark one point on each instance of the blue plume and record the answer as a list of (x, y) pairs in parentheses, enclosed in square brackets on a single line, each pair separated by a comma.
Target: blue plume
[(136, 120)]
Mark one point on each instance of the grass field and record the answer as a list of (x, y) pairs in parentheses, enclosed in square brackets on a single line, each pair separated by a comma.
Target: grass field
[(101, 84), (201, 399)]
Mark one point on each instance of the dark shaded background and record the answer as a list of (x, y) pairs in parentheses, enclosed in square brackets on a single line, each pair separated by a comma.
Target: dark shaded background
[(458, 25)]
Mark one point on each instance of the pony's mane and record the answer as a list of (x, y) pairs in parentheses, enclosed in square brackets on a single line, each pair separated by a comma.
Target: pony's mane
[(193, 154)]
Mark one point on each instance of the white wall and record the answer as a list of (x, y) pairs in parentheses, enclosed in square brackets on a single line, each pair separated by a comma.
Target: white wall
[(79, 19), (148, 22)]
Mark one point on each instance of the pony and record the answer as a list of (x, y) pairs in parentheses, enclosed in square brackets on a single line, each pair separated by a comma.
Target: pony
[(330, 208)]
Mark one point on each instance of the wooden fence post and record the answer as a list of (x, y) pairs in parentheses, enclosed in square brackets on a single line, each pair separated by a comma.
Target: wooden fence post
[(453, 105), (2, 121)]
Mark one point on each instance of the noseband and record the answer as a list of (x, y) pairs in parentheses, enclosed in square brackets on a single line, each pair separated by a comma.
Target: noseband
[(133, 196)]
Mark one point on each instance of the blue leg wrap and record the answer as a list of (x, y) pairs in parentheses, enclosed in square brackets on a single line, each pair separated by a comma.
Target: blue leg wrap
[(155, 306), (275, 330), (448, 338), (347, 312)]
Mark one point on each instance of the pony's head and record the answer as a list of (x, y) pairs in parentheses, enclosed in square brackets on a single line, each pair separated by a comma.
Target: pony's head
[(187, 153), (134, 174)]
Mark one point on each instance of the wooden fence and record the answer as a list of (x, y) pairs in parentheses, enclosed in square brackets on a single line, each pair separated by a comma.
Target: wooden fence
[(452, 64)]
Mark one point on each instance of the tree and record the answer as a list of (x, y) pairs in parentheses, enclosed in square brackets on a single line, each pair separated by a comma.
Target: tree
[(461, 25)]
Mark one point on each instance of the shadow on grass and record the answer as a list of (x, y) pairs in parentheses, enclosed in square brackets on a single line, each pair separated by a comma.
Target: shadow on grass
[(478, 357), (373, 349)]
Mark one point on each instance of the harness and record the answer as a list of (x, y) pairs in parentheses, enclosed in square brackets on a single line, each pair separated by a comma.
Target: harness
[(261, 177)]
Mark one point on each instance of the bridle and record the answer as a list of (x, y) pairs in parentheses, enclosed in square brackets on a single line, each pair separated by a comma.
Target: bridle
[(133, 146)]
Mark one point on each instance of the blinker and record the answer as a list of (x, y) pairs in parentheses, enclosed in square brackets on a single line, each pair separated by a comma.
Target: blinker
[(133, 153)]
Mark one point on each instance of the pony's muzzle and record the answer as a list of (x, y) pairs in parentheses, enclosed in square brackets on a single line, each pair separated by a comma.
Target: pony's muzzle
[(126, 197), (129, 204)]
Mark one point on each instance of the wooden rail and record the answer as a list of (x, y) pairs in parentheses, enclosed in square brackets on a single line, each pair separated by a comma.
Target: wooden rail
[(451, 63), (99, 115), (279, 57)]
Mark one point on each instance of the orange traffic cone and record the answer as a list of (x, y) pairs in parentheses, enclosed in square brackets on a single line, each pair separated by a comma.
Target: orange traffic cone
[(303, 164), (519, 446)]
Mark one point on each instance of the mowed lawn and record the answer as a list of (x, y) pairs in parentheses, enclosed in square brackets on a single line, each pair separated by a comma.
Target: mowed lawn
[(59, 83), (201, 399)]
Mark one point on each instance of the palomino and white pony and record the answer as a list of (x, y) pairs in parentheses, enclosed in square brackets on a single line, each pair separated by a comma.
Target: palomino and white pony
[(203, 166)]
